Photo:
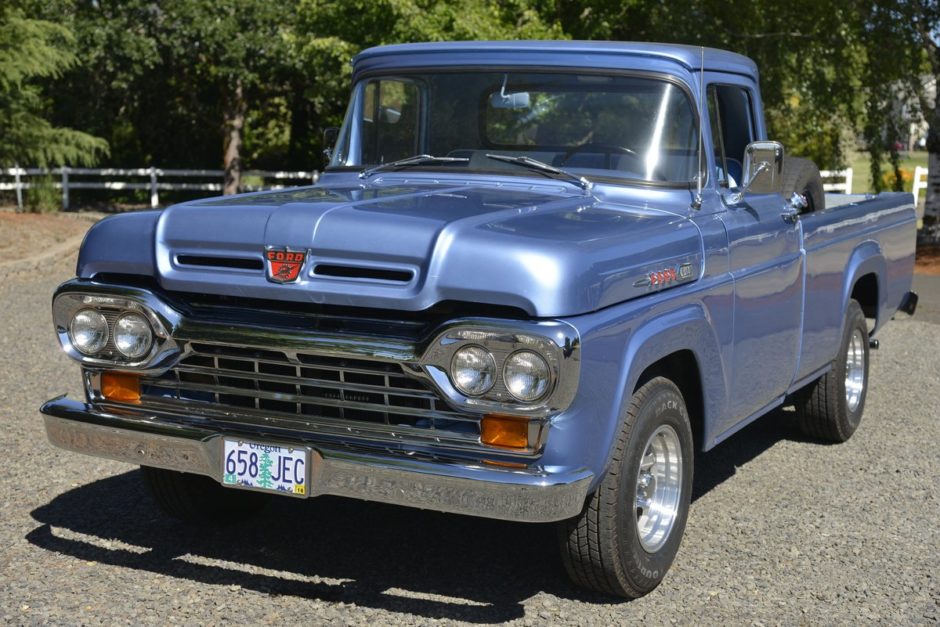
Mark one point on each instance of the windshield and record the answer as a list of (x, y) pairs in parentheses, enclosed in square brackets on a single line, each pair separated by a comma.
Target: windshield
[(599, 126)]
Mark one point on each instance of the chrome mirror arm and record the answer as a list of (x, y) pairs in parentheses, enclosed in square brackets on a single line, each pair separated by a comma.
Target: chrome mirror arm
[(738, 196)]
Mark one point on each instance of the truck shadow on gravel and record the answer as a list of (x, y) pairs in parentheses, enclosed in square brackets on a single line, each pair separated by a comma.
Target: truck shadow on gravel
[(331, 549)]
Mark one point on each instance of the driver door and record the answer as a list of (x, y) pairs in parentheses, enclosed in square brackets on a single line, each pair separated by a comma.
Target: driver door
[(766, 262)]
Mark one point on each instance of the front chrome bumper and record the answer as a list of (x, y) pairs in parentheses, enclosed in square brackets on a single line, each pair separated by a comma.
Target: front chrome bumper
[(142, 437)]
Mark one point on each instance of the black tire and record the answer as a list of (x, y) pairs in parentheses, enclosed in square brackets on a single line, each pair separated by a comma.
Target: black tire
[(824, 409), (601, 548), (802, 176), (200, 500)]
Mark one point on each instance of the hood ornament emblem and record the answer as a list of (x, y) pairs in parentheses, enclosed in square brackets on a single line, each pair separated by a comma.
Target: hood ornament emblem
[(283, 265)]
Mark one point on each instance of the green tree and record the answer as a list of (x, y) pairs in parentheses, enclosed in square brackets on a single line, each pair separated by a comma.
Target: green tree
[(264, 471), (808, 52), (178, 83), (329, 34), (235, 48), (32, 49), (911, 32)]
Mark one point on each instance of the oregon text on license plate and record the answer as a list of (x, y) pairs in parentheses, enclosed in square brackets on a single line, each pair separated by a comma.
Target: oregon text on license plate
[(265, 467)]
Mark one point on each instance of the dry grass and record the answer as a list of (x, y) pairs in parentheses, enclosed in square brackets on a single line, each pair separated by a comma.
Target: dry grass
[(25, 235)]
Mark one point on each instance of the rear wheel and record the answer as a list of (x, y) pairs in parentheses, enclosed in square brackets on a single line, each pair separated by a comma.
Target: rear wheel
[(198, 499), (831, 407), (627, 536)]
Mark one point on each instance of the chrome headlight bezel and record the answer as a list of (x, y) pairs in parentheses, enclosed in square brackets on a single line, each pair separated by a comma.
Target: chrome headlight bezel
[(113, 307), (556, 342)]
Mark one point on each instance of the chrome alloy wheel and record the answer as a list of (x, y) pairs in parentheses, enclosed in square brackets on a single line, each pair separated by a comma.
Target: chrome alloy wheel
[(658, 488), (855, 370)]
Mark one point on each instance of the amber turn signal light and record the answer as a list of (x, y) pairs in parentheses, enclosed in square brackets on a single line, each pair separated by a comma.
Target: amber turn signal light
[(121, 387), (493, 462), (505, 431)]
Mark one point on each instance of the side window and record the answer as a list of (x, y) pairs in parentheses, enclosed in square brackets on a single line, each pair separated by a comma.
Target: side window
[(732, 123), (390, 120)]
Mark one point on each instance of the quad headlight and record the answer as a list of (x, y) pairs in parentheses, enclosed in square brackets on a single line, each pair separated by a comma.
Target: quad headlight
[(88, 331), (473, 370), (133, 336), (126, 328), (114, 334), (526, 376), (518, 368)]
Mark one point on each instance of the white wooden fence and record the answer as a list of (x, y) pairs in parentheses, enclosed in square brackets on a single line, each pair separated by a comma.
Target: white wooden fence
[(149, 179), (143, 178), (845, 186), (920, 182)]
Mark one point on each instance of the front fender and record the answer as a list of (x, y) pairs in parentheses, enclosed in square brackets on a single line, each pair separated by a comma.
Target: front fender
[(687, 328), (119, 244)]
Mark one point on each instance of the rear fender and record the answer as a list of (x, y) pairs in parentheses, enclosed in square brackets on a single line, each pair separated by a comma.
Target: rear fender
[(867, 258)]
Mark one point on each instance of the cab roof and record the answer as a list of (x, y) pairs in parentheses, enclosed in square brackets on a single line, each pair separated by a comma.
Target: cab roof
[(590, 54)]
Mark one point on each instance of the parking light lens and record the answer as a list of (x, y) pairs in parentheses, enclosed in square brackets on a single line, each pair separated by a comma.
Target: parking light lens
[(120, 387), (504, 431)]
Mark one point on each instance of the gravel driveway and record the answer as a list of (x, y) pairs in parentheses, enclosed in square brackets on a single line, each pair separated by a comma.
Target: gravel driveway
[(782, 530)]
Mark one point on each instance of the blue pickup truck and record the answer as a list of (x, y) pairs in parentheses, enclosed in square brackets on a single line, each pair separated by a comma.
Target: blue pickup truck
[(535, 278)]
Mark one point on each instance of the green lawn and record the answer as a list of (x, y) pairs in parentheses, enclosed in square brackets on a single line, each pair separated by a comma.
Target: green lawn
[(861, 175)]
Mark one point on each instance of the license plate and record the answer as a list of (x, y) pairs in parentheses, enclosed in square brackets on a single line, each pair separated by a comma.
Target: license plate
[(268, 467)]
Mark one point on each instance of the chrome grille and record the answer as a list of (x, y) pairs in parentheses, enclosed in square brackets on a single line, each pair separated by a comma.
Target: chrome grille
[(294, 388)]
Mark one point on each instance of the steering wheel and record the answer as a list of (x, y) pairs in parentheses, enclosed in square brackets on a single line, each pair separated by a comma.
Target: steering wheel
[(607, 149)]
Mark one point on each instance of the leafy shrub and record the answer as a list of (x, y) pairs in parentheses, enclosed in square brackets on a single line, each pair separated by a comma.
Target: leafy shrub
[(907, 180), (42, 196)]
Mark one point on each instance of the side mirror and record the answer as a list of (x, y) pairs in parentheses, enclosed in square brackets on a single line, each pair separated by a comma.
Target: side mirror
[(329, 140), (763, 169)]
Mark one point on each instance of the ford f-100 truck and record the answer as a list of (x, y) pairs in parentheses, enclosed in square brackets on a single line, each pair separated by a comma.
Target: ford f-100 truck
[(535, 278)]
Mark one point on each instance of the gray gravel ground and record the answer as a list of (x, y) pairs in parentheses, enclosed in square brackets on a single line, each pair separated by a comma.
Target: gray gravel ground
[(928, 288), (782, 530)]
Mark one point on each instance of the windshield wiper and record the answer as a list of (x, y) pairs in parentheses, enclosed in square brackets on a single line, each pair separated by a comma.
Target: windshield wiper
[(534, 164), (411, 161)]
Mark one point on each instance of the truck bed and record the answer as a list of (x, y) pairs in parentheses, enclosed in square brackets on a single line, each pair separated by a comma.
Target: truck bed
[(855, 236)]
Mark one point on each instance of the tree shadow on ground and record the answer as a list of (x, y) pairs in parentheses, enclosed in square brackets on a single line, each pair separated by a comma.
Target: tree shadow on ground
[(381, 556)]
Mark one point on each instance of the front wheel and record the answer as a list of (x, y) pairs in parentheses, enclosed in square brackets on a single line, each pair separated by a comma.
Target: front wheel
[(627, 536), (200, 500)]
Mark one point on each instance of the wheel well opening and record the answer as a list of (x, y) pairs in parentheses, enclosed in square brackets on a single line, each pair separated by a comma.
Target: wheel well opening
[(682, 369), (865, 291)]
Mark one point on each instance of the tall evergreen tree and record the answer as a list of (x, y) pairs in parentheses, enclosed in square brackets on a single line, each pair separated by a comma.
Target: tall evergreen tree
[(32, 49)]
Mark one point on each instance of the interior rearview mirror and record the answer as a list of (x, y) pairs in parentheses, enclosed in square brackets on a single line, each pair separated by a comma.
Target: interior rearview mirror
[(502, 100), (509, 100)]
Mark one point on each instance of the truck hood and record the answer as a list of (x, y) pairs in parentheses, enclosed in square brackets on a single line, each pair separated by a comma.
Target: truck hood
[(545, 250)]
